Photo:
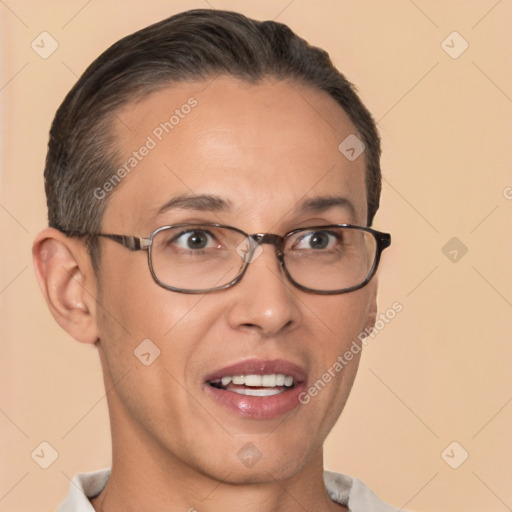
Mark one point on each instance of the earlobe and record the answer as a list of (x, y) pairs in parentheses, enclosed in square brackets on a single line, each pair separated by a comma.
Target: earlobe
[(67, 282)]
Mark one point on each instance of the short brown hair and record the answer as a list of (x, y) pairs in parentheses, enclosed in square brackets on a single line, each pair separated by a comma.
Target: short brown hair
[(192, 45)]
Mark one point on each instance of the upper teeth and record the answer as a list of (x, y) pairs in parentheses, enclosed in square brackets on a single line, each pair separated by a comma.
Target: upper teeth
[(269, 381)]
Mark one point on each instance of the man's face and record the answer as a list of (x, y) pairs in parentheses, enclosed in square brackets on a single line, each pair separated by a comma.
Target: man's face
[(263, 150)]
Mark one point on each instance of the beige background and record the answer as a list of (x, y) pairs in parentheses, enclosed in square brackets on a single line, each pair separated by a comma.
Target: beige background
[(437, 373)]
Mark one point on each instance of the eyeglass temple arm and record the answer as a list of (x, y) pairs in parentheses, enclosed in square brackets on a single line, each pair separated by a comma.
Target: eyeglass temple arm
[(132, 243)]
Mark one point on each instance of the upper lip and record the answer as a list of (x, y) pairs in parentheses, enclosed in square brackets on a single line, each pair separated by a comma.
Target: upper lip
[(260, 367)]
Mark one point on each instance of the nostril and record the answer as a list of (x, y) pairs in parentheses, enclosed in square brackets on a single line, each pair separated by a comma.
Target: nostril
[(261, 328), (250, 326)]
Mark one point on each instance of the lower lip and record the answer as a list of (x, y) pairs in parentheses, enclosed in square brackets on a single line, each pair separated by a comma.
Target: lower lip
[(258, 407)]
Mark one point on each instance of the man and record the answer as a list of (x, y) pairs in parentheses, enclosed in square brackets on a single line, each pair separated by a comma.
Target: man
[(211, 181)]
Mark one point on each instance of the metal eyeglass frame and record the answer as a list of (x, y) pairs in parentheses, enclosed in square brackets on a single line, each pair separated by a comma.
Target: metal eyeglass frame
[(135, 243)]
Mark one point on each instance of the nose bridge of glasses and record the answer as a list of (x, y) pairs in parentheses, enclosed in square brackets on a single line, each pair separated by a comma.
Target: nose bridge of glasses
[(268, 238), (251, 248)]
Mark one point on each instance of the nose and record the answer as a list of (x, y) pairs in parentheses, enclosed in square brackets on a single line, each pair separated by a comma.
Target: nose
[(264, 301)]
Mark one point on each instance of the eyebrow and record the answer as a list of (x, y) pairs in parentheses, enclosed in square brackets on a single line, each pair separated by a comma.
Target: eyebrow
[(323, 203), (203, 202)]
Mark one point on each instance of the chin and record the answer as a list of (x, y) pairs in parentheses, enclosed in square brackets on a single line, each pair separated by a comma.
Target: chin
[(264, 470), (261, 475)]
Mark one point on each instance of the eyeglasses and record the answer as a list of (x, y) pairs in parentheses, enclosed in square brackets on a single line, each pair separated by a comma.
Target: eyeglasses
[(203, 258)]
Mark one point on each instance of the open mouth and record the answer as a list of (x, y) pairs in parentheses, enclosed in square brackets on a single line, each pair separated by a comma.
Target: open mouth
[(257, 388), (255, 385)]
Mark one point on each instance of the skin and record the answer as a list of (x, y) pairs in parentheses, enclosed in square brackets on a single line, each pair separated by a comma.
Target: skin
[(264, 148)]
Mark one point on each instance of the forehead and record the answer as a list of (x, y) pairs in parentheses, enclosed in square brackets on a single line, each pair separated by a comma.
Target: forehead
[(263, 148)]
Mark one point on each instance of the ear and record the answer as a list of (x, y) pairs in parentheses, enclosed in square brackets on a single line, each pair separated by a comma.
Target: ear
[(68, 282)]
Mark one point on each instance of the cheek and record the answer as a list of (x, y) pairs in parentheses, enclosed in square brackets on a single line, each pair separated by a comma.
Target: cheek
[(134, 308), (338, 324), (342, 317), (134, 321), (135, 302)]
